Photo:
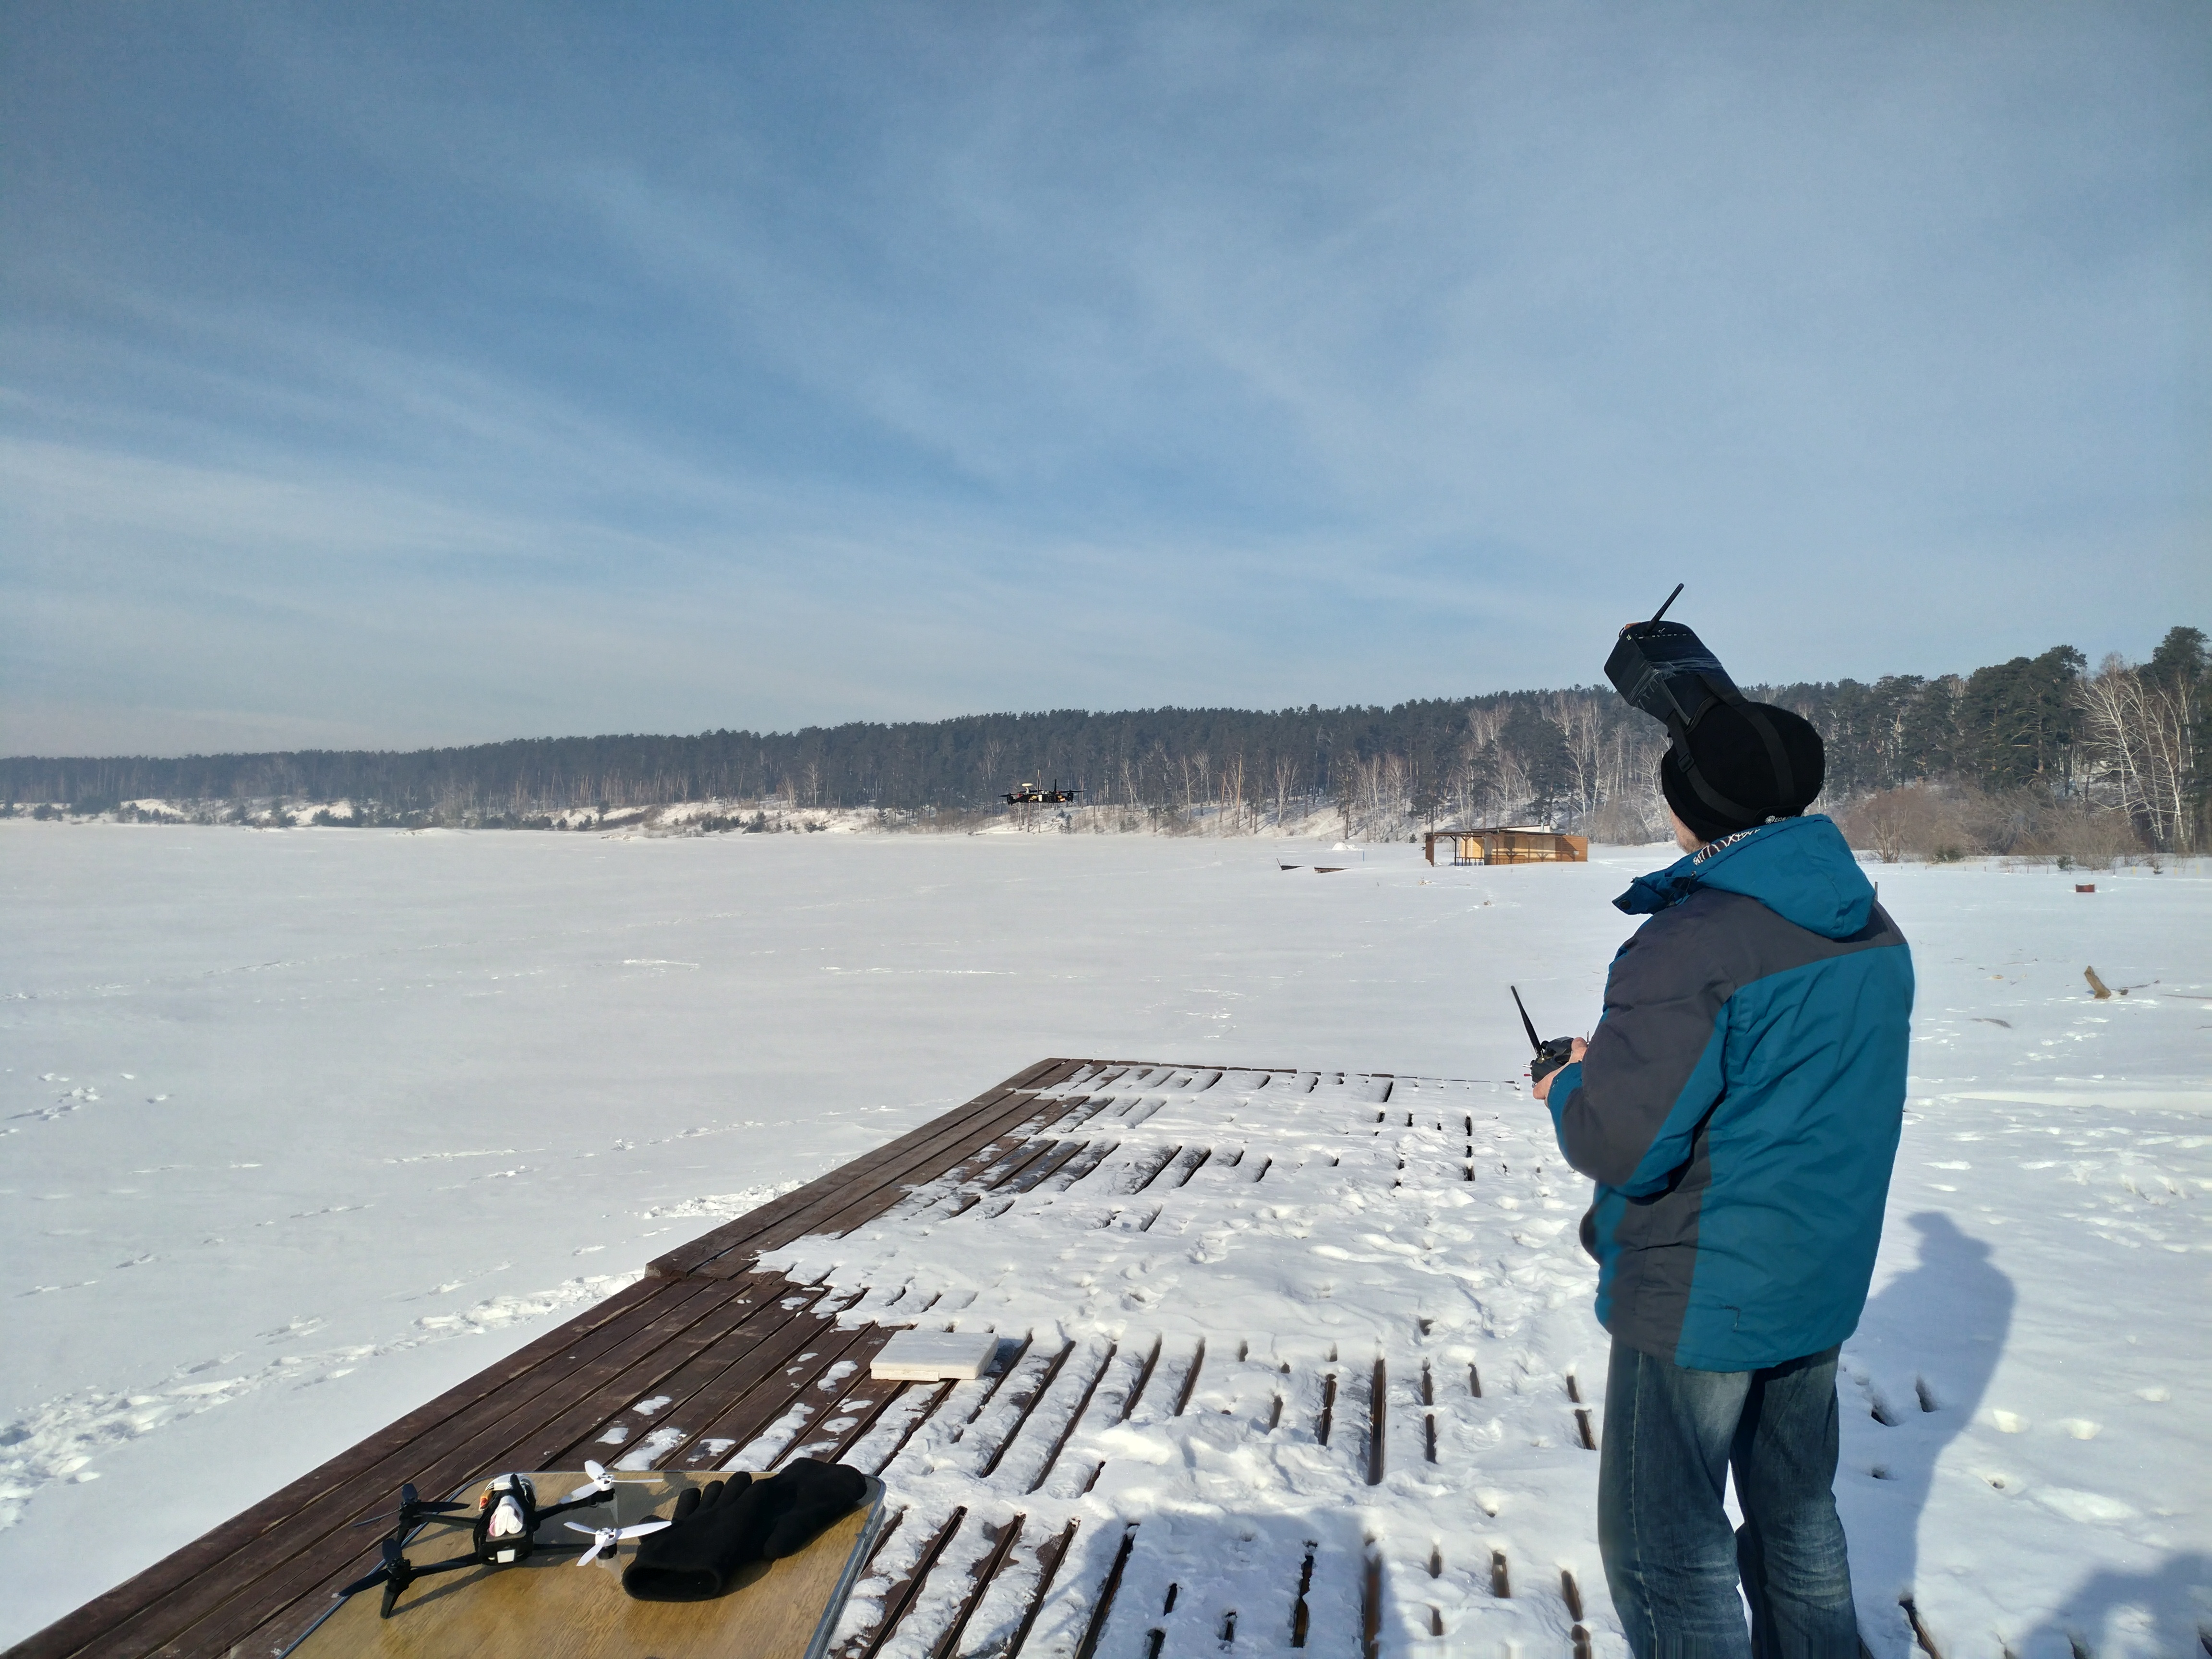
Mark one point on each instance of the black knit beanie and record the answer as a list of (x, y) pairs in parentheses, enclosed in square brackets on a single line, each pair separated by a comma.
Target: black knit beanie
[(1734, 760)]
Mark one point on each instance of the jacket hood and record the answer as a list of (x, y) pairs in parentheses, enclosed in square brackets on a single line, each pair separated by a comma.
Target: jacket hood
[(1799, 868)]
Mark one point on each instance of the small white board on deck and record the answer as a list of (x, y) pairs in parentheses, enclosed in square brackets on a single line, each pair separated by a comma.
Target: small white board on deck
[(913, 1356)]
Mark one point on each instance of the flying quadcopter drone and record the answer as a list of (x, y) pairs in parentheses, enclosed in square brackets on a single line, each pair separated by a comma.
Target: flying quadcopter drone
[(505, 1526), (1029, 795)]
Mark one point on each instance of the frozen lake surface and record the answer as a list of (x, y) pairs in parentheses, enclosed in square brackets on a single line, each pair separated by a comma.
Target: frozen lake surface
[(302, 1127)]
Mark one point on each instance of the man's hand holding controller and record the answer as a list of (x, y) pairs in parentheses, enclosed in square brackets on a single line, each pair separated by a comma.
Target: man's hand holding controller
[(1540, 1074)]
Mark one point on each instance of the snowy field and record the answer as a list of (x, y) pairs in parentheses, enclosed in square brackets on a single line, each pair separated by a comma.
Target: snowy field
[(297, 1128)]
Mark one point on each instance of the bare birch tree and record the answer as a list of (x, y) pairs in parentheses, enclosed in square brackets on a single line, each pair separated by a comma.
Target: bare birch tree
[(2142, 741)]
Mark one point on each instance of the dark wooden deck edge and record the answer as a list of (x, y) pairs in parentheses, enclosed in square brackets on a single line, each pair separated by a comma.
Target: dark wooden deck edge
[(876, 1173), (87, 1624), (97, 1626)]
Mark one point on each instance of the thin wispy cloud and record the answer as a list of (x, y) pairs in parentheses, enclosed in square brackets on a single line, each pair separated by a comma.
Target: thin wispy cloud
[(426, 375)]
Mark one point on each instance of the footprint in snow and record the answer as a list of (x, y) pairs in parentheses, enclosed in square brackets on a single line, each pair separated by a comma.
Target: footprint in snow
[(2083, 1506)]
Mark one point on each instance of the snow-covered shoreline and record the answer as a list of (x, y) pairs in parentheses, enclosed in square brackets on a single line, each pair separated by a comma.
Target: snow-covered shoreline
[(316, 1124)]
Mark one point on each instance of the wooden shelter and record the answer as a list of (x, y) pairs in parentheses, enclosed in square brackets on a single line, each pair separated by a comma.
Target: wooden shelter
[(1507, 845)]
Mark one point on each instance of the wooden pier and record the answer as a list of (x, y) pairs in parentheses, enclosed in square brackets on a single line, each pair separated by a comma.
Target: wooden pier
[(1012, 1544)]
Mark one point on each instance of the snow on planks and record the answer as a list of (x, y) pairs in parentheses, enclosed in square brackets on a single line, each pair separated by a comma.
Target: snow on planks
[(1248, 1323), (1025, 1517)]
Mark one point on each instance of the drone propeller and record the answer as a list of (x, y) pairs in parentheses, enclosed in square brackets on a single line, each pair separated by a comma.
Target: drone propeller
[(412, 1504), (395, 1575), (393, 1561), (605, 1538), (397, 1572), (600, 1481)]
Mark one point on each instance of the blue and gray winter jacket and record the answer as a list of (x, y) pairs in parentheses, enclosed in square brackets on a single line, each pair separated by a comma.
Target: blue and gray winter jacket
[(1739, 1104)]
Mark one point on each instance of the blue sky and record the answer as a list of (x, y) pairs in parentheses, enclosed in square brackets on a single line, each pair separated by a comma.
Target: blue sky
[(391, 375)]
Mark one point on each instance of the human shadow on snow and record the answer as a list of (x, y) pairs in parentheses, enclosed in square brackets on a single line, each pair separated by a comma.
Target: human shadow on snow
[(1926, 1348), (2167, 1610)]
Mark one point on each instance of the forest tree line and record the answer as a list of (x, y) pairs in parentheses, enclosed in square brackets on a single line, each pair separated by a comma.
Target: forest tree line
[(2038, 754)]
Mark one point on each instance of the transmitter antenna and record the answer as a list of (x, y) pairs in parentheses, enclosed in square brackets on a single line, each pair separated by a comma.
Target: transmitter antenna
[(1526, 1023)]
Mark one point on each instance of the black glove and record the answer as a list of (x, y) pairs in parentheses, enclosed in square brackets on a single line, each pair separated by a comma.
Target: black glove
[(716, 1533), (712, 1534), (804, 1497)]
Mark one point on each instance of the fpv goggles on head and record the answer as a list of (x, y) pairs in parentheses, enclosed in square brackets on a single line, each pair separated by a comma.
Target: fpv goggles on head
[(1665, 670)]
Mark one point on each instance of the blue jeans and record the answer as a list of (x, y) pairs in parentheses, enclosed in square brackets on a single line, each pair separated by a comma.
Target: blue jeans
[(1671, 1437)]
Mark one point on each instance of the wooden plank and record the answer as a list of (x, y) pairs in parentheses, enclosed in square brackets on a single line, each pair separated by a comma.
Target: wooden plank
[(277, 1599), (682, 1387), (74, 1630), (858, 1345), (736, 1407), (1105, 1077), (864, 1404), (902, 1414), (274, 1572), (598, 1391), (1007, 1166), (765, 1343), (981, 1153), (1004, 1165), (1081, 1109), (1049, 1555), (861, 1192), (980, 1575), (1029, 1164), (1102, 1609), (1021, 1401), (1154, 1068), (772, 1328), (777, 1396), (840, 1213), (1147, 1175), (976, 1190), (899, 1595), (1051, 1459), (618, 1374), (859, 1405), (688, 1257), (1063, 1153), (1095, 1154)]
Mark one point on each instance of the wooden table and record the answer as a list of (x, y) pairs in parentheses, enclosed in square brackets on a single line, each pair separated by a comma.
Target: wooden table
[(549, 1607)]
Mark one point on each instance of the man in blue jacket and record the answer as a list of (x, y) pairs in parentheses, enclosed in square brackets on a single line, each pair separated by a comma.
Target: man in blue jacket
[(1738, 1106)]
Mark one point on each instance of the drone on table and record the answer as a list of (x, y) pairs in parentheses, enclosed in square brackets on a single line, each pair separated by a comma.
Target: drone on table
[(505, 1528)]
